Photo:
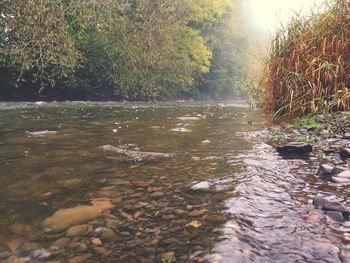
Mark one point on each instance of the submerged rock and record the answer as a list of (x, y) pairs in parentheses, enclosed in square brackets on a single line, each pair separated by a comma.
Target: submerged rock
[(294, 148), (60, 243), (135, 155), (65, 218), (77, 230), (41, 133)]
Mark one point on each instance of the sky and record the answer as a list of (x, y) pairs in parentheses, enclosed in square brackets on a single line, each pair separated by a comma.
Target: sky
[(267, 15)]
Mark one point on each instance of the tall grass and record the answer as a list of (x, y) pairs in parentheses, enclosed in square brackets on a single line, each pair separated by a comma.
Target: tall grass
[(308, 69)]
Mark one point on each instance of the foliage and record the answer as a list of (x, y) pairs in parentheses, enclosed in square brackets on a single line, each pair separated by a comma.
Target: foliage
[(307, 70), (278, 134), (129, 49), (310, 121)]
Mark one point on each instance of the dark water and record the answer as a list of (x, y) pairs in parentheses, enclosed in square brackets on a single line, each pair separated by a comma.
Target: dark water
[(255, 209)]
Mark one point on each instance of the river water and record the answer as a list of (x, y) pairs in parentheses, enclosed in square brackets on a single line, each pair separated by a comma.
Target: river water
[(221, 194)]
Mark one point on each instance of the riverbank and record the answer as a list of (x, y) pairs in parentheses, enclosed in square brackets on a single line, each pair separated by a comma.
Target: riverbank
[(324, 141)]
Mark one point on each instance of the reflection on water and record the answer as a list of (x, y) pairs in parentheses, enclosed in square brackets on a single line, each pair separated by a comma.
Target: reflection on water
[(222, 196)]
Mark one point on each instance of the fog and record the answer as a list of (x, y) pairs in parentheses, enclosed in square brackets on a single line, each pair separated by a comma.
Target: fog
[(267, 15)]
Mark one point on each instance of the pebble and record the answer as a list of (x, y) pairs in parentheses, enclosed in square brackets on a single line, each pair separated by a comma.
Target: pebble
[(336, 216), (77, 230), (344, 174), (80, 259), (61, 243), (340, 180), (345, 153), (108, 235), (168, 257), (294, 148), (335, 206), (100, 250), (196, 213), (326, 170), (157, 194)]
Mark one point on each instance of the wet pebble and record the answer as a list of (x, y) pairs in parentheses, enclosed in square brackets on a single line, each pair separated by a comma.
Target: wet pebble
[(77, 230), (80, 259), (196, 213), (168, 257), (326, 170), (157, 194), (108, 235), (61, 243), (336, 216), (294, 148), (345, 153)]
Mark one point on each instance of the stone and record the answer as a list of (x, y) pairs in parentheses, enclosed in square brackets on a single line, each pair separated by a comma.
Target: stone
[(100, 250), (344, 174), (179, 211), (78, 230), (108, 235), (30, 246), (61, 243), (40, 253), (169, 241), (65, 218), (335, 206), (80, 259), (336, 216), (13, 245), (319, 202), (346, 136), (345, 153), (196, 213), (201, 186), (326, 170), (142, 184), (340, 180), (168, 257), (156, 194), (79, 246), (294, 148)]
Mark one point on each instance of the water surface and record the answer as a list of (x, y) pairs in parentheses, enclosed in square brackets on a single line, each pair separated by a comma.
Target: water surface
[(248, 204)]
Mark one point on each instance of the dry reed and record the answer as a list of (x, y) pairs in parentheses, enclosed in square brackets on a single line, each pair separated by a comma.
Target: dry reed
[(308, 70)]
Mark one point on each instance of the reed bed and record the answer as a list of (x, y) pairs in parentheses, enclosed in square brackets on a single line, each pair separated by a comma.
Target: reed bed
[(308, 69)]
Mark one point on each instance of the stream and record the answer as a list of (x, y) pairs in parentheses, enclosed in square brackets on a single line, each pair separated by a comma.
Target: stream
[(220, 193)]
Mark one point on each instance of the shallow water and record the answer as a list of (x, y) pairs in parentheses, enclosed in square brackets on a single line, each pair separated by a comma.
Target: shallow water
[(254, 210)]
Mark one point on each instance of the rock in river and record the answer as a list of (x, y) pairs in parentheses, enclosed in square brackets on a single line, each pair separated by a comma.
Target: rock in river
[(326, 170), (344, 153), (64, 218), (77, 230), (294, 148), (342, 178)]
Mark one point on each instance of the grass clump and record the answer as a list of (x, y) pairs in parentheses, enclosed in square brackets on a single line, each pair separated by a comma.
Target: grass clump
[(308, 69), (278, 134), (311, 122)]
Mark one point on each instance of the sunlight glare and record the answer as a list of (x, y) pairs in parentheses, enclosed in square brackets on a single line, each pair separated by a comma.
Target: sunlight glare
[(268, 15)]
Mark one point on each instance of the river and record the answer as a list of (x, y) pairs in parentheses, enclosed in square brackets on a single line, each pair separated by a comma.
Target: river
[(220, 193)]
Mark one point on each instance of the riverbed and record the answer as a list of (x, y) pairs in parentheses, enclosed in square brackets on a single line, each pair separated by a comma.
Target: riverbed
[(218, 192)]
